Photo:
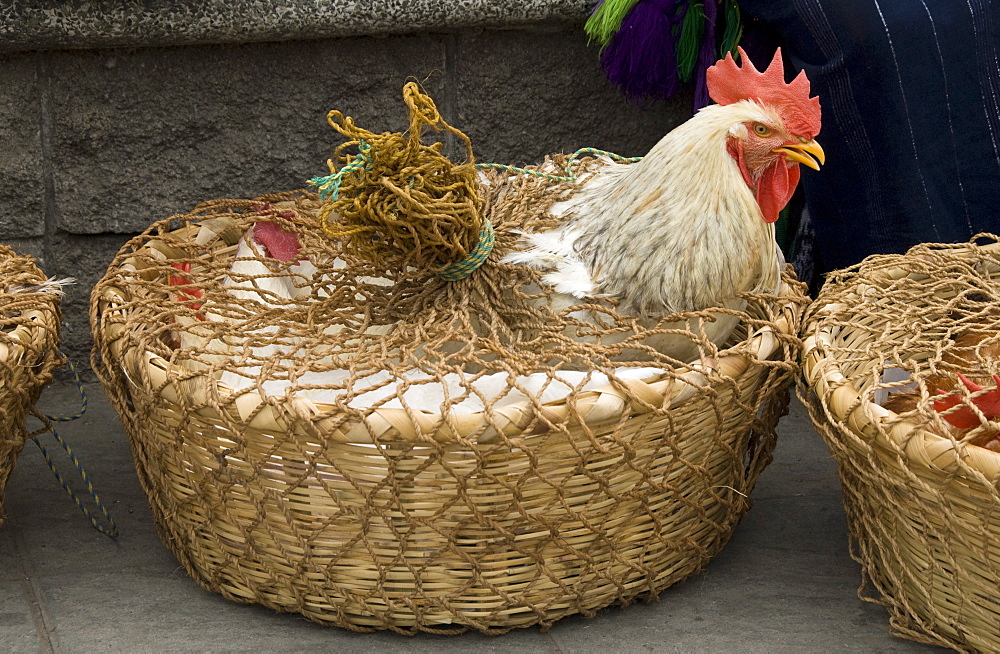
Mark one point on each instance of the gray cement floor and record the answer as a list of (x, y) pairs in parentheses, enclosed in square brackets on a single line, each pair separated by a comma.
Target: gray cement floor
[(784, 583)]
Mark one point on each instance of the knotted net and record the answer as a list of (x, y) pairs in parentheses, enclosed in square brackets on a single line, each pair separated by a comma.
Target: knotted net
[(885, 342), (354, 438), (29, 350)]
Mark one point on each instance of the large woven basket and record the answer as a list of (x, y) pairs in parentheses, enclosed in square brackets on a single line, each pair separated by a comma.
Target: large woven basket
[(922, 498), (29, 350), (397, 518)]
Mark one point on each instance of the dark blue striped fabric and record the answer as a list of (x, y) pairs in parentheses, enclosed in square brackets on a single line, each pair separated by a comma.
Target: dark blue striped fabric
[(910, 91)]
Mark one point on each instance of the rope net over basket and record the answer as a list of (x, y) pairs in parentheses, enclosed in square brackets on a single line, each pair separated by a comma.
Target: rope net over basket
[(29, 350), (353, 437), (885, 344), (404, 203)]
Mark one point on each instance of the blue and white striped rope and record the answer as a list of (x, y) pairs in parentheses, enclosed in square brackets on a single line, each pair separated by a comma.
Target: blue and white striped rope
[(109, 528)]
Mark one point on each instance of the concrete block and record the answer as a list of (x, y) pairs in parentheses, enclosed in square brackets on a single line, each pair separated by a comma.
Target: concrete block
[(33, 247), (16, 621), (141, 135), (86, 259), (100, 444), (22, 193), (8, 551), (527, 93), (33, 25)]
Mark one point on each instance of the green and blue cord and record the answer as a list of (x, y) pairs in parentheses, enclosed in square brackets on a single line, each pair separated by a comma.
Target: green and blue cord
[(109, 528), (328, 188)]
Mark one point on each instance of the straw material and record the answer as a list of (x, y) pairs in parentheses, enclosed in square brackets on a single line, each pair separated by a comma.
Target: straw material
[(885, 340), (292, 457), (398, 175), (29, 350)]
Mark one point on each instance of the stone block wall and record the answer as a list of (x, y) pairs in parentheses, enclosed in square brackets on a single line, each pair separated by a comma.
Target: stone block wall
[(100, 141)]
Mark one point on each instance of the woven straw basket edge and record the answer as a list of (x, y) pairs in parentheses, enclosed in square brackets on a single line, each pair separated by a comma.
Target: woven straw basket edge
[(596, 406), (931, 478), (847, 406), (37, 334), (224, 553)]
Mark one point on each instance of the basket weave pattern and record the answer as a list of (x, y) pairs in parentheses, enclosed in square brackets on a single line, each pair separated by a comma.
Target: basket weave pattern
[(29, 351), (922, 497), (403, 518)]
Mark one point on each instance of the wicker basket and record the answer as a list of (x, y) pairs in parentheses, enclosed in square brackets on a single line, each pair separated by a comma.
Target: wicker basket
[(404, 520), (922, 499), (29, 350)]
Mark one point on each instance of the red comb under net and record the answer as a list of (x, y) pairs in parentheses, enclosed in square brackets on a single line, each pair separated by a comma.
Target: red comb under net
[(729, 83)]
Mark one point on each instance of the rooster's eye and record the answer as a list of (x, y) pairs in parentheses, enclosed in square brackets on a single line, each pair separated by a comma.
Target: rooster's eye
[(761, 130)]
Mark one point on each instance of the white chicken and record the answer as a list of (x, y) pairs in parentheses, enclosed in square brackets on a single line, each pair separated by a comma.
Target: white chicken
[(691, 226), (688, 229), (250, 278)]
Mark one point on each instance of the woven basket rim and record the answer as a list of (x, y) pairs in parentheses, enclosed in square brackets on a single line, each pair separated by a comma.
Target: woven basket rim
[(848, 406), (32, 329), (590, 407), (920, 505), (23, 334)]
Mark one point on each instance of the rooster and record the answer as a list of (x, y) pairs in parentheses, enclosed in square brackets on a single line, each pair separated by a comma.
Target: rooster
[(691, 226), (688, 229), (962, 412), (250, 277), (959, 417)]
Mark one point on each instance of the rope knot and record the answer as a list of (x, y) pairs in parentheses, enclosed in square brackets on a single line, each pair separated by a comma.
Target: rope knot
[(462, 269), (402, 203), (329, 187)]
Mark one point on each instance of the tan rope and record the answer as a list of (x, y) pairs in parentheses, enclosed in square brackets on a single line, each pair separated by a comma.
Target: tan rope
[(29, 350), (408, 205), (884, 340), (291, 454)]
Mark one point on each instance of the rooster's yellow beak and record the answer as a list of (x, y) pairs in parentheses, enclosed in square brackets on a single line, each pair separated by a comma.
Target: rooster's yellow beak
[(800, 152)]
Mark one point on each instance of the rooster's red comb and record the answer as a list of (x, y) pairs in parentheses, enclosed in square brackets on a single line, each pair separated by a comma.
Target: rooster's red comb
[(729, 83), (964, 417)]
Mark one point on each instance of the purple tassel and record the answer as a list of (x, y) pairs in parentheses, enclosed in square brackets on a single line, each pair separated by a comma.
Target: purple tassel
[(706, 56), (640, 59)]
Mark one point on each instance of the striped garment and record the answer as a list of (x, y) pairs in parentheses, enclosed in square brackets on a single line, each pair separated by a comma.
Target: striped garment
[(910, 91)]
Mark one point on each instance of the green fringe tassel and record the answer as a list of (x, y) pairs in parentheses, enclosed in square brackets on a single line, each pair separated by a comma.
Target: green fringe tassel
[(692, 32), (733, 31), (606, 20)]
